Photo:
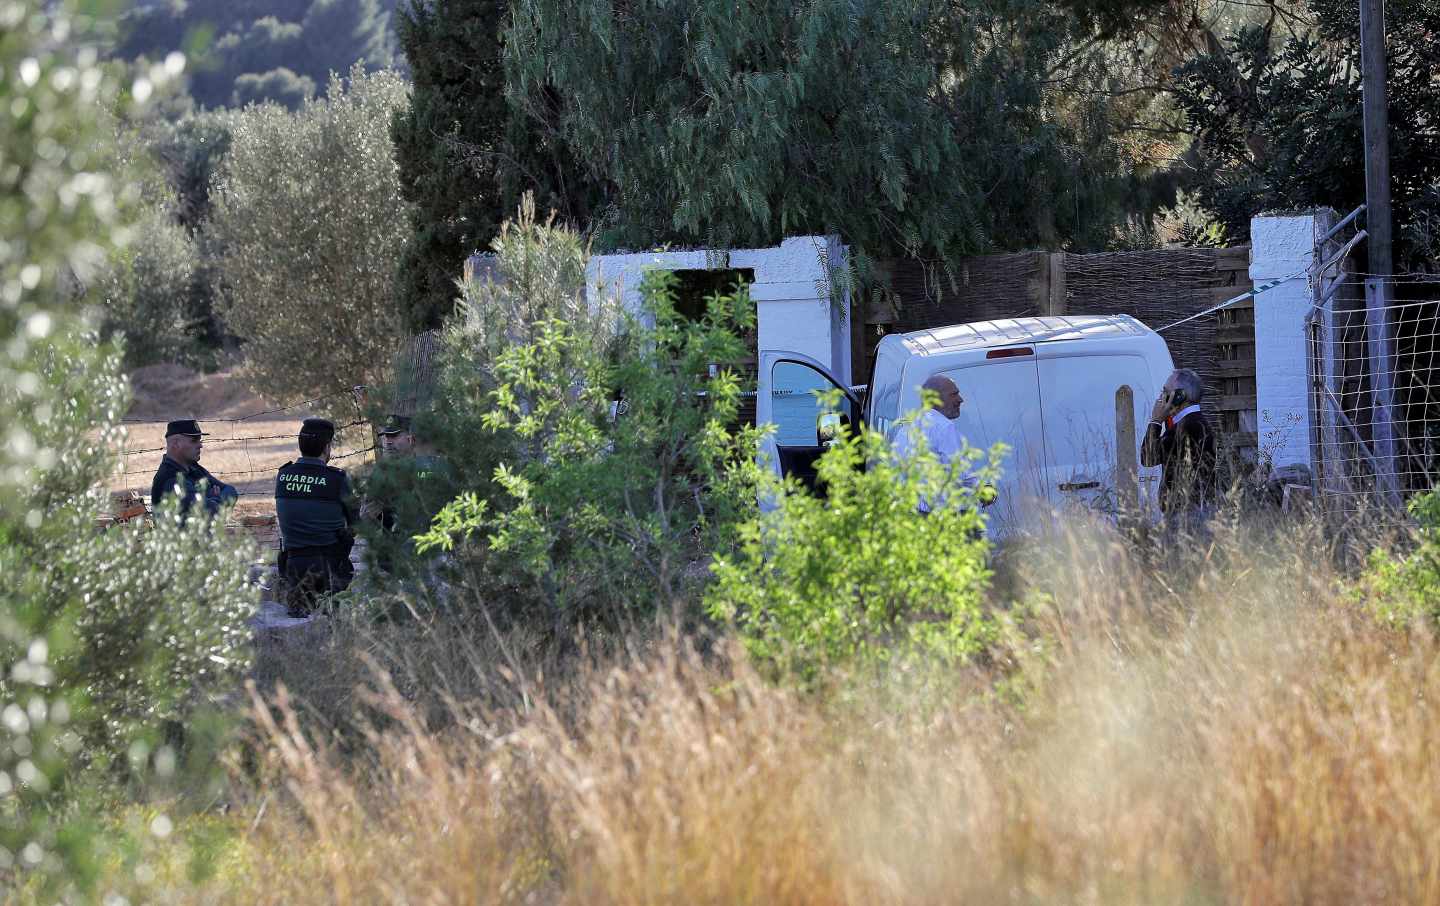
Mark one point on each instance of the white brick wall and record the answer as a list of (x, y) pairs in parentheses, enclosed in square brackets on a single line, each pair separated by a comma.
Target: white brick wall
[(792, 291), (1282, 247)]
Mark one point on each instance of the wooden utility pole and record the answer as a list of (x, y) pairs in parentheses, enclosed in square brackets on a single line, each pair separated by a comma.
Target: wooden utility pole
[(1381, 264)]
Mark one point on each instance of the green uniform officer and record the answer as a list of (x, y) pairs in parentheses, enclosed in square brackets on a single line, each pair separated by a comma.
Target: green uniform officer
[(313, 506), (409, 485)]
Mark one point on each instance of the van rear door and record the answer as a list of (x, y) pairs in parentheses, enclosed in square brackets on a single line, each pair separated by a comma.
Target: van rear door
[(1078, 393), (1002, 405), (788, 396)]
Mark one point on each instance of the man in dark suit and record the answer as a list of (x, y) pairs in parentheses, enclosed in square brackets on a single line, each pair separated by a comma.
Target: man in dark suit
[(181, 474), (1180, 441)]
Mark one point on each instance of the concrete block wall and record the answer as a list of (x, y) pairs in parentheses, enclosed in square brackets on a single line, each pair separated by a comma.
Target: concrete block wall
[(799, 305), (1283, 248)]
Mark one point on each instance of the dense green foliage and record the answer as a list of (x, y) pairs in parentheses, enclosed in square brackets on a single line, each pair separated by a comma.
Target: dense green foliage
[(907, 127), (582, 513), (102, 634), (466, 157), (707, 123), (159, 290), (1278, 124), (259, 50), (543, 275), (310, 223), (1406, 589), (457, 103), (860, 578), (149, 294)]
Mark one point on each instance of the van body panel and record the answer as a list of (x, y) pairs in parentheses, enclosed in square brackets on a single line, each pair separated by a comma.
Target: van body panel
[(1078, 398), (1002, 405), (1009, 331), (882, 399), (1053, 404)]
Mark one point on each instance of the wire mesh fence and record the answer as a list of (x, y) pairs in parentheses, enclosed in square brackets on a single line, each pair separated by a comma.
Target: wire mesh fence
[(1375, 385), (246, 450)]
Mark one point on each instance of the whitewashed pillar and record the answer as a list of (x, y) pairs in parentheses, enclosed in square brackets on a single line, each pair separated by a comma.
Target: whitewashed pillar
[(801, 297), (1283, 248)]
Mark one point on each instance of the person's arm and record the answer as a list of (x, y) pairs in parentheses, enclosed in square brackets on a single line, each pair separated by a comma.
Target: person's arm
[(160, 485), (1151, 449), (217, 489), (347, 500)]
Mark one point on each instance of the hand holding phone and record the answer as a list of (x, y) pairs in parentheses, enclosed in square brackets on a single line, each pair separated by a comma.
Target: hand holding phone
[(1162, 407)]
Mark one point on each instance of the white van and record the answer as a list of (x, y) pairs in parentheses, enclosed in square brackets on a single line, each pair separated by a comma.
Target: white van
[(1047, 387)]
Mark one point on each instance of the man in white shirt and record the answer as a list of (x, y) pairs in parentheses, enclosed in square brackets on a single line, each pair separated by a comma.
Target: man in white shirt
[(937, 427)]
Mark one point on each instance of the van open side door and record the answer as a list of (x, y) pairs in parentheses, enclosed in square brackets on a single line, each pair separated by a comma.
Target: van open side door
[(788, 396)]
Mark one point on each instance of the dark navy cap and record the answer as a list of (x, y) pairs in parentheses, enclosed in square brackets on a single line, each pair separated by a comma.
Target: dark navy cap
[(396, 424), (186, 426), (323, 428)]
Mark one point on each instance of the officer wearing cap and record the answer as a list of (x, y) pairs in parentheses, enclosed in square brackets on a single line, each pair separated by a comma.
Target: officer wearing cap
[(408, 486), (397, 438), (180, 472), (312, 504)]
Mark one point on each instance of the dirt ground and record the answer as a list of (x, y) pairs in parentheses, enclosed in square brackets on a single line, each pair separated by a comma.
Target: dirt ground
[(244, 451)]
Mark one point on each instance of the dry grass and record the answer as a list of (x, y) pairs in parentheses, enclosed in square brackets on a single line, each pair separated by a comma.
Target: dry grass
[(1215, 728)]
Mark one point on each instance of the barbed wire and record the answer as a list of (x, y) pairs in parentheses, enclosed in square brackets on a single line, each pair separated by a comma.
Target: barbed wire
[(246, 438), (244, 475)]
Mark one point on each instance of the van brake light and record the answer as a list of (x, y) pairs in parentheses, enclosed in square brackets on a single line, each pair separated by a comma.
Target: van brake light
[(1009, 353)]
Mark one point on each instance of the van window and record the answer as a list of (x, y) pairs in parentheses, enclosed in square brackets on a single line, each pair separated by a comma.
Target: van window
[(795, 406), (884, 389)]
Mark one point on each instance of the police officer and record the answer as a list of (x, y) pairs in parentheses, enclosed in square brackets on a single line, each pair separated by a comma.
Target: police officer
[(313, 505), (408, 487), (180, 472), (397, 438)]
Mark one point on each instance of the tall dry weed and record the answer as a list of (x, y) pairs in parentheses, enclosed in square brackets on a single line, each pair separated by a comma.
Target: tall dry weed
[(1210, 726)]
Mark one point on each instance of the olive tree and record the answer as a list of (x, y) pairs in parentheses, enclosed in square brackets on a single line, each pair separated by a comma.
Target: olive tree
[(309, 215), (103, 636)]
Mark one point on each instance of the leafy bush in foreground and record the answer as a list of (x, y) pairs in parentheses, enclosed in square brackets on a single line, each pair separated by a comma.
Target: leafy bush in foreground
[(1400, 589), (859, 577), (99, 633), (592, 514)]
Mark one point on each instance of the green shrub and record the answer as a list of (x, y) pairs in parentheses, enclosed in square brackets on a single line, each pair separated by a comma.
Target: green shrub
[(410, 490), (148, 295), (543, 282), (585, 513), (309, 224), (448, 383), (1402, 588), (859, 578), (161, 625), (113, 636)]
